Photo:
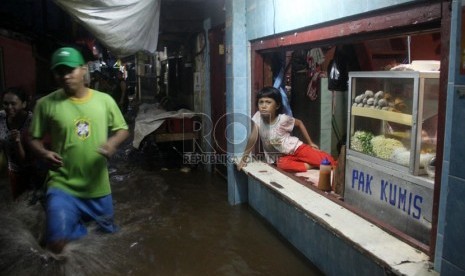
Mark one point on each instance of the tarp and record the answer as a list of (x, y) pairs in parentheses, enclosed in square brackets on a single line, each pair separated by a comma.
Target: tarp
[(150, 118), (123, 26)]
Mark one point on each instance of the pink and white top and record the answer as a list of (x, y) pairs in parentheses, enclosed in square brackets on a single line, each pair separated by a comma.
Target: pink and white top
[(276, 138)]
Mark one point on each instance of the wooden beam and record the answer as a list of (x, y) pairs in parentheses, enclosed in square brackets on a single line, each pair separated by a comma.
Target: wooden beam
[(411, 16)]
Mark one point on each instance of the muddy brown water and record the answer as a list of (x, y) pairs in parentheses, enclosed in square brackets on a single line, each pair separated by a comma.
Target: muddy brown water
[(172, 223)]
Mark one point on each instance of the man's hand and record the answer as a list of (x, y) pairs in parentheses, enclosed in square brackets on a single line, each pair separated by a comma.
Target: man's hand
[(107, 150), (52, 159), (110, 147)]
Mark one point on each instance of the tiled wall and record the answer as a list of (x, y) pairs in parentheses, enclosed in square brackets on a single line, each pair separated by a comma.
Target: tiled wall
[(324, 248), (328, 137), (450, 244), (237, 93)]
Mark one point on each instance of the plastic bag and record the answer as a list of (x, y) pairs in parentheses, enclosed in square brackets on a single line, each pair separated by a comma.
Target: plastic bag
[(338, 75)]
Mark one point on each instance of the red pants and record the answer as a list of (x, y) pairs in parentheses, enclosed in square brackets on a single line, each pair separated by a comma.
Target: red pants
[(303, 154)]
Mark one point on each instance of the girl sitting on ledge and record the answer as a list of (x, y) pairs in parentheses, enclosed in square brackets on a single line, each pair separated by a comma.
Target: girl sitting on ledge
[(288, 152)]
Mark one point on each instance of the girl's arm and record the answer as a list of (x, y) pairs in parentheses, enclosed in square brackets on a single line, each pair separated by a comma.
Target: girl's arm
[(248, 148), (298, 123), (15, 137)]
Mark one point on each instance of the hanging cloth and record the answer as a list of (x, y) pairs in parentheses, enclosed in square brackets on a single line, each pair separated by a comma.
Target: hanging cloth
[(314, 85), (123, 26), (315, 58)]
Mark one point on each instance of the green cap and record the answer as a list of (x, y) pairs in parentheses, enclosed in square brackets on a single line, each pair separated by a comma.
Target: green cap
[(67, 56)]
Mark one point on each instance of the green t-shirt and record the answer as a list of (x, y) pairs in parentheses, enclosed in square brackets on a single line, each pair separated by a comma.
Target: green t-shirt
[(77, 128)]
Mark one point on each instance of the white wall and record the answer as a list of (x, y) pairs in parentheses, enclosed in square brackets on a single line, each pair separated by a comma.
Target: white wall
[(268, 17)]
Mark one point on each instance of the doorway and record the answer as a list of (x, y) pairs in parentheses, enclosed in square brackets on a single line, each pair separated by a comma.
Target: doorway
[(218, 94)]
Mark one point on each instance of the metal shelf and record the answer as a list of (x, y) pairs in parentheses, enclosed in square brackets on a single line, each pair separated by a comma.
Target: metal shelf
[(395, 117)]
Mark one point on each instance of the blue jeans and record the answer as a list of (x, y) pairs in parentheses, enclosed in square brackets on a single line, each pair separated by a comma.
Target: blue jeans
[(67, 215)]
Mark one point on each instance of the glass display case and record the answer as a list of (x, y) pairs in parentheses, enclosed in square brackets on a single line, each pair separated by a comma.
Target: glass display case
[(393, 119), (391, 143)]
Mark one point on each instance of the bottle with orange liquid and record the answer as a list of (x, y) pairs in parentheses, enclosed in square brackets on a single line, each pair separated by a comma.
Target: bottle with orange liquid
[(324, 182)]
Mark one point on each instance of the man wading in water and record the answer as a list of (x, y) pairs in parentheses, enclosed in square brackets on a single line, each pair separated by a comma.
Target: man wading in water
[(78, 120)]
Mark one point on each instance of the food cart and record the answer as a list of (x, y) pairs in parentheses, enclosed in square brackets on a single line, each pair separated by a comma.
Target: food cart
[(391, 144)]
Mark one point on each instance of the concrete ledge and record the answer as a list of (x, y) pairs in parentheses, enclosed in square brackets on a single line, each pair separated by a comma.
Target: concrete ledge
[(335, 239)]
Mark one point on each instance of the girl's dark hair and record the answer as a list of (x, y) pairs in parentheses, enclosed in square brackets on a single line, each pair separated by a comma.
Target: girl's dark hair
[(20, 93), (271, 92)]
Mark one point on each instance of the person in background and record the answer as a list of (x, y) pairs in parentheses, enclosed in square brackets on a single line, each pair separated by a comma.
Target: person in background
[(78, 120), (15, 120), (120, 93), (288, 152), (100, 82)]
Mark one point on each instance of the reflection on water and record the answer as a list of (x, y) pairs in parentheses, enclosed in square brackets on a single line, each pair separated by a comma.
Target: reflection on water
[(172, 223)]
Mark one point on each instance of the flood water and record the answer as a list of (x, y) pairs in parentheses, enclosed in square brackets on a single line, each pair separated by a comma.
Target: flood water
[(172, 223)]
